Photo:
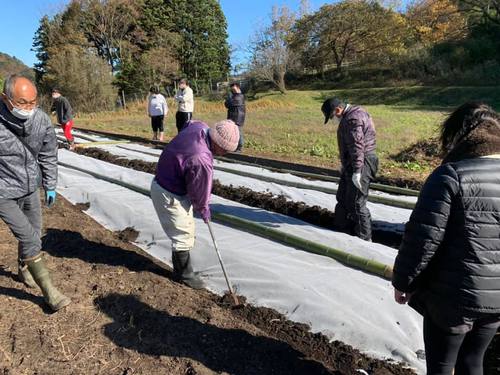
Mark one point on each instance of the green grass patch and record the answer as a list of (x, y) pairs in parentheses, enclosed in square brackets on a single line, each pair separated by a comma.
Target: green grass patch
[(290, 127)]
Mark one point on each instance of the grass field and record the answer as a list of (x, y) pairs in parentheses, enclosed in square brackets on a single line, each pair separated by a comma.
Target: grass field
[(290, 127)]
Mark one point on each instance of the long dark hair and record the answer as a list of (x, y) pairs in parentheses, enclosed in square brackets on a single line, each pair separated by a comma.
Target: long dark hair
[(462, 121)]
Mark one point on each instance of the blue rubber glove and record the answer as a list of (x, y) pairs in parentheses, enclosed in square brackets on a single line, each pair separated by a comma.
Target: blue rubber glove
[(50, 198)]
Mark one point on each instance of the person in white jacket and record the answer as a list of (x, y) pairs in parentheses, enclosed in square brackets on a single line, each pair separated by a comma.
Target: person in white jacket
[(185, 100), (157, 110)]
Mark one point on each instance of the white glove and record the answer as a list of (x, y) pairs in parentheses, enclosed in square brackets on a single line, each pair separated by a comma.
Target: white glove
[(356, 180)]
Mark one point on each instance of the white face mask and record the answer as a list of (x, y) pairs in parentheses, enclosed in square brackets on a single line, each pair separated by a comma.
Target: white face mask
[(22, 114)]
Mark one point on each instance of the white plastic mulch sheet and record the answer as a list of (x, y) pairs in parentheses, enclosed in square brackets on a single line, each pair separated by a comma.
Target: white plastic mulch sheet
[(342, 303), (384, 217)]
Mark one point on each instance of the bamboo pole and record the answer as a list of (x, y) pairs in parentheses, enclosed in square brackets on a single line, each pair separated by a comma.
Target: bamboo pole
[(363, 264), (92, 144)]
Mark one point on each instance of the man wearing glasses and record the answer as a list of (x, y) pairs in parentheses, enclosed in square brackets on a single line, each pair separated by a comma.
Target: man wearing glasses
[(28, 159)]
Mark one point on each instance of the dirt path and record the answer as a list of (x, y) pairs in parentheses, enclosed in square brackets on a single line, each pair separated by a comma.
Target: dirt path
[(128, 317)]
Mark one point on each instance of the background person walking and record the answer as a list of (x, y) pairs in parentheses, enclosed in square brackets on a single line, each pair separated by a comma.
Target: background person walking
[(157, 110), (185, 100), (64, 114), (359, 164), (29, 158), (235, 104), (448, 267)]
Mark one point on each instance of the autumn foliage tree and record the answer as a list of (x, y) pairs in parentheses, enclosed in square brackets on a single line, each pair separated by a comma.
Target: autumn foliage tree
[(348, 31), (436, 21)]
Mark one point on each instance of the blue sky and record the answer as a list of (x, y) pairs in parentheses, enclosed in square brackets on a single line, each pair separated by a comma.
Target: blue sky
[(20, 21)]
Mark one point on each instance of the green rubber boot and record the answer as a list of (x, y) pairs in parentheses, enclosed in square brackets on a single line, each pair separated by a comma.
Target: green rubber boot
[(24, 275), (53, 297)]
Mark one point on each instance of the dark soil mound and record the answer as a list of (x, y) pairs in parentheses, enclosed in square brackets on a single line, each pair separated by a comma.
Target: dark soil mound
[(129, 234), (427, 151), (83, 206)]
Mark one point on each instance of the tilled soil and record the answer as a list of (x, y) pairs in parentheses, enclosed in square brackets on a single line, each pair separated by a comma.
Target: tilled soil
[(311, 214), (129, 317)]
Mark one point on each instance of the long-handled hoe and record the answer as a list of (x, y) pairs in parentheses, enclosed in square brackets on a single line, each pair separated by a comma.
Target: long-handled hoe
[(231, 291)]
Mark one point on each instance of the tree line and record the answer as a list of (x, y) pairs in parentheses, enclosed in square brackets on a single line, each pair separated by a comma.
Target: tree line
[(447, 41), (94, 48)]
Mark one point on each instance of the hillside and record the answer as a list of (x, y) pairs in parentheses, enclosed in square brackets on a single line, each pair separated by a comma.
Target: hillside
[(11, 65)]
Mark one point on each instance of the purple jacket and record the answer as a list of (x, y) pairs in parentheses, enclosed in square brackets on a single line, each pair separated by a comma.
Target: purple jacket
[(356, 138), (186, 167)]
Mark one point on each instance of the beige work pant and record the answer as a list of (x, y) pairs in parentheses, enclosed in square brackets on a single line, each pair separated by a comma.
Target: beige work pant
[(176, 217)]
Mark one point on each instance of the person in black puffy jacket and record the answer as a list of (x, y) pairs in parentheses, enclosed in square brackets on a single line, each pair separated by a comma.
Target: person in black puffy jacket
[(235, 104), (448, 266)]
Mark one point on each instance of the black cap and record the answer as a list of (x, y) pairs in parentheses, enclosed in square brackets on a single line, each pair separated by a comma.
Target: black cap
[(56, 89), (329, 106)]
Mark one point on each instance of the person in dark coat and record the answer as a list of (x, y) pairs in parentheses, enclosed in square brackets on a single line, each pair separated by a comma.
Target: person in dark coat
[(359, 165), (64, 114), (235, 104), (448, 267)]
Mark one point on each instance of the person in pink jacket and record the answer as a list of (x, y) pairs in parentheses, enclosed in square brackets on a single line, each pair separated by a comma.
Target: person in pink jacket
[(183, 184)]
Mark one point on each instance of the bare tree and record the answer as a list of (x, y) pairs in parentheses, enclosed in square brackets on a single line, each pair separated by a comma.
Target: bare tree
[(304, 8), (271, 54)]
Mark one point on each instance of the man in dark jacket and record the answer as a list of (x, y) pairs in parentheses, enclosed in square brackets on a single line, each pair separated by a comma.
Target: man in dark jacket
[(64, 114), (448, 266), (236, 112), (28, 159), (359, 165)]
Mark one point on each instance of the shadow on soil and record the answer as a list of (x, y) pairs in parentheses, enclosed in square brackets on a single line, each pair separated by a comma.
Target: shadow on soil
[(68, 244), (19, 293), (138, 326)]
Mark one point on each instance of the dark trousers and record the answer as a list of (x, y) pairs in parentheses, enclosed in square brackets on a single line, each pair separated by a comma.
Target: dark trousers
[(445, 351), (157, 123), (181, 119), (23, 216), (351, 214), (240, 142)]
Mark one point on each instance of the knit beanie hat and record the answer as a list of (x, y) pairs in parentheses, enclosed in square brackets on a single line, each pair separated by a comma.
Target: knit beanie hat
[(226, 135)]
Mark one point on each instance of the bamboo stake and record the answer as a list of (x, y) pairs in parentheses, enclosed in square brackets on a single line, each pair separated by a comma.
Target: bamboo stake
[(368, 265)]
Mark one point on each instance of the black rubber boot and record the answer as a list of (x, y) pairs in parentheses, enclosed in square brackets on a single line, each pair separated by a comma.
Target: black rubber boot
[(183, 271), (53, 297)]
